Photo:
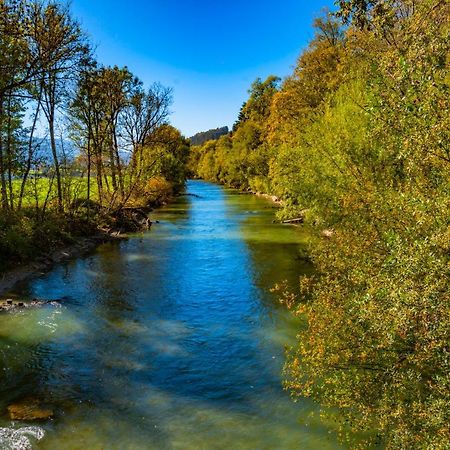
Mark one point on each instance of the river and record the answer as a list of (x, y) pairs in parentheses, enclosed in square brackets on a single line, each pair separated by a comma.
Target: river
[(169, 340)]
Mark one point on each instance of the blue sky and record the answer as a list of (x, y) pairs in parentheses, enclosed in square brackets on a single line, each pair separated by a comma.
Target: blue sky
[(209, 52)]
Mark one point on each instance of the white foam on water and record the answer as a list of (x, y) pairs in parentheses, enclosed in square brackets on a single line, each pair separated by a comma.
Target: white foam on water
[(20, 438)]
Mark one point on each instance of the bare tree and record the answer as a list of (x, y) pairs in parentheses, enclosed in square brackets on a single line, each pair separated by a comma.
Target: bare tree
[(146, 112)]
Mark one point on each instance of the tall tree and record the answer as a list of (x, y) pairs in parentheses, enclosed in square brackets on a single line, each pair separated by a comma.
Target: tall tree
[(61, 44)]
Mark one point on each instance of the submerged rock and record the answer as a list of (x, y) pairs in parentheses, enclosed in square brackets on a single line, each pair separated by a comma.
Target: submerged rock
[(29, 410), (10, 304)]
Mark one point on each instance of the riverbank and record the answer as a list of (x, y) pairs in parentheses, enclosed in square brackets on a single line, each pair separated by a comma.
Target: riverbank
[(273, 198), (33, 247), (40, 264)]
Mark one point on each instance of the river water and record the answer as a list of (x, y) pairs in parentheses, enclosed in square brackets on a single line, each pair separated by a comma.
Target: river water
[(170, 340)]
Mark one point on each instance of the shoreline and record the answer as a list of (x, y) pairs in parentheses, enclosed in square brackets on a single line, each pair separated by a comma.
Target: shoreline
[(44, 263), (130, 220), (273, 198)]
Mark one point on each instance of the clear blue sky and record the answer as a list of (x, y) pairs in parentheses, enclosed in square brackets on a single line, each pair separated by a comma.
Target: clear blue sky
[(209, 52)]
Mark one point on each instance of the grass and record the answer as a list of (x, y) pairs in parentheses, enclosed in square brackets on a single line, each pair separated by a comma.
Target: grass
[(39, 189)]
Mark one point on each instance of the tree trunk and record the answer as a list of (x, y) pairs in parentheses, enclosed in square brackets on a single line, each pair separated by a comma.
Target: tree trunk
[(9, 153), (99, 177), (89, 175), (30, 152), (50, 109), (5, 204), (51, 127), (112, 160), (119, 168)]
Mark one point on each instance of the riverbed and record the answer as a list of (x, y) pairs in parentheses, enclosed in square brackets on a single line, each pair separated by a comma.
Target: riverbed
[(169, 340)]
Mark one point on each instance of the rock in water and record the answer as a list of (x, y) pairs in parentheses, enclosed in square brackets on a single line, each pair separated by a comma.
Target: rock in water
[(11, 305), (29, 409)]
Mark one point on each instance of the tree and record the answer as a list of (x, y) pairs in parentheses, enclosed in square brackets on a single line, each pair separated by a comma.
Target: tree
[(60, 39), (144, 114)]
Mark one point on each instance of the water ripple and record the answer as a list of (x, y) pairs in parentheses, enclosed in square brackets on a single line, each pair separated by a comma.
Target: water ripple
[(20, 438)]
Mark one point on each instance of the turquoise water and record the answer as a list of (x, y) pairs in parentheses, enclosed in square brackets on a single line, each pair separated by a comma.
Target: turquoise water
[(170, 340)]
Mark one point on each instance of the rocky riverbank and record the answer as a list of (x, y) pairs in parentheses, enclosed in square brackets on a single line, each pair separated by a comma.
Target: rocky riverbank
[(273, 198)]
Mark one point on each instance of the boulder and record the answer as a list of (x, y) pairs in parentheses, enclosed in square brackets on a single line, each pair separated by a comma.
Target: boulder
[(29, 409)]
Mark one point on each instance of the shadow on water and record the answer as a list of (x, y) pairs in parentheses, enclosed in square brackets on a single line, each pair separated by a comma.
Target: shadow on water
[(171, 339)]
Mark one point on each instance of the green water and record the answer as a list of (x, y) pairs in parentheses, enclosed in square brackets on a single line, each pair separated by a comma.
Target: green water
[(170, 340)]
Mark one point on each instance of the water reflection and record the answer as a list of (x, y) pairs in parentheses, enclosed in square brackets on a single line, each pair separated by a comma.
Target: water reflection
[(169, 340)]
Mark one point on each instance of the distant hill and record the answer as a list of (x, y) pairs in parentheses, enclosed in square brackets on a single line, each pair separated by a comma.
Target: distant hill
[(43, 151), (201, 138)]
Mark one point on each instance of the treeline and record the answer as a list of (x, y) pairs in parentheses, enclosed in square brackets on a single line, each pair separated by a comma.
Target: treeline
[(204, 136), (122, 152), (356, 140)]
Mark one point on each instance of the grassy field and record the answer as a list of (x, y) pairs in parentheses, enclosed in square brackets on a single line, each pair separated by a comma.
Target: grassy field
[(38, 190)]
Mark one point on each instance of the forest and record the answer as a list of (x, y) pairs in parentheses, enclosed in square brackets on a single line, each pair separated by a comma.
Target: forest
[(210, 135), (79, 142), (356, 142)]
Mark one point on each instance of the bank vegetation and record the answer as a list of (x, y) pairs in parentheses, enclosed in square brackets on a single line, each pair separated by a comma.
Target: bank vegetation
[(81, 144), (356, 141)]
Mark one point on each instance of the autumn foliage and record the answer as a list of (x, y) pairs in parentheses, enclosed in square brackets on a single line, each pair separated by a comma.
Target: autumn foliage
[(357, 139)]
